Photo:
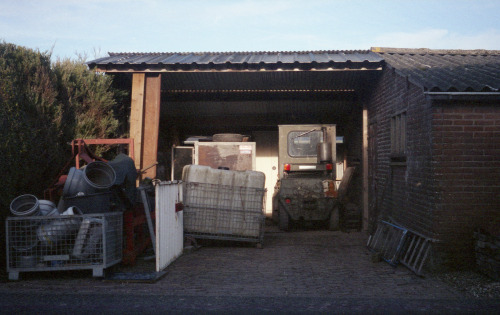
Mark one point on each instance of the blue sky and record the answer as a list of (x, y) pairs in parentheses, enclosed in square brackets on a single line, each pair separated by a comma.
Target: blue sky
[(96, 27)]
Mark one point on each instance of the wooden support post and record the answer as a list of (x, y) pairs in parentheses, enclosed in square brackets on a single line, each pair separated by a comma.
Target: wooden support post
[(151, 123), (137, 116), (365, 170), (145, 120)]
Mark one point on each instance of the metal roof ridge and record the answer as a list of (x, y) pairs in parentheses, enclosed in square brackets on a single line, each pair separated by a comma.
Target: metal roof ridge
[(428, 51), (363, 51)]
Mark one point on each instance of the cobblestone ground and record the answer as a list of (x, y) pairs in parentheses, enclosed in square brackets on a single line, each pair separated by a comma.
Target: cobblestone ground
[(306, 264), (317, 265)]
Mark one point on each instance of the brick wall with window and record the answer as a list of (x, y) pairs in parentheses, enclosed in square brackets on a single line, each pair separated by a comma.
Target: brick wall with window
[(436, 168), (466, 158), (401, 182)]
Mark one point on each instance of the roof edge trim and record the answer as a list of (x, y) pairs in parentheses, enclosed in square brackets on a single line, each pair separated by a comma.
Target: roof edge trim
[(450, 96), (300, 52), (427, 51)]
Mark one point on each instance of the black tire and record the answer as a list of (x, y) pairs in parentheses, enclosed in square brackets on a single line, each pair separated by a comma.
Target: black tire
[(284, 220), (334, 221), (227, 137), (275, 216)]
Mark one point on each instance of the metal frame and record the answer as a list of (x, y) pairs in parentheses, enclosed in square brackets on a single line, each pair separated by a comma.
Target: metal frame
[(64, 242), (388, 240), (415, 252), (399, 244), (81, 151), (222, 212)]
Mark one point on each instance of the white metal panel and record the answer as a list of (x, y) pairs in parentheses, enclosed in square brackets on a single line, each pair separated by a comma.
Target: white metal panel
[(169, 224), (269, 166), (237, 156)]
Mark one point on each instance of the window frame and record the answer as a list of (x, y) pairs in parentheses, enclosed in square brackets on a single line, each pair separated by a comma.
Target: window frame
[(290, 144), (399, 136)]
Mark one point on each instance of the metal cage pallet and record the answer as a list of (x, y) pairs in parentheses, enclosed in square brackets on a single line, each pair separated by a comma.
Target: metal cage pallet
[(224, 212), (41, 243)]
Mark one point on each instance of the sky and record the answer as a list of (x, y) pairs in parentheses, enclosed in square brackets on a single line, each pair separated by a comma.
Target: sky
[(92, 28)]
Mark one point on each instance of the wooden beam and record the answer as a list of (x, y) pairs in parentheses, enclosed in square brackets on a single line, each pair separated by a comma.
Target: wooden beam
[(152, 101), (365, 170), (137, 116)]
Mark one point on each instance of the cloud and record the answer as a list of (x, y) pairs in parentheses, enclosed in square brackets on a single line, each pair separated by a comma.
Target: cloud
[(440, 39)]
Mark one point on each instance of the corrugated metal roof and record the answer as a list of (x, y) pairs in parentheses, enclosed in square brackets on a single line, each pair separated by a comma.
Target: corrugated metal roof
[(446, 70), (264, 80), (304, 60), (196, 108)]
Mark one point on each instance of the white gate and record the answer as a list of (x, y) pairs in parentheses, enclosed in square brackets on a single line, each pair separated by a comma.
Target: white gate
[(169, 224)]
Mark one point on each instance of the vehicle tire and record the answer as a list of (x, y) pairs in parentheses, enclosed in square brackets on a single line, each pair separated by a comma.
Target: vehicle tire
[(275, 216), (284, 223), (227, 137), (334, 222)]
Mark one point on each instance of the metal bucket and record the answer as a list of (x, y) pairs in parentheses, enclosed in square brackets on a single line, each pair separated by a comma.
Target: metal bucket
[(25, 205), (95, 177)]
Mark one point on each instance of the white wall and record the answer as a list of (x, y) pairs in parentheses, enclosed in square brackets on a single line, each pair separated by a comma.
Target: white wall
[(267, 161)]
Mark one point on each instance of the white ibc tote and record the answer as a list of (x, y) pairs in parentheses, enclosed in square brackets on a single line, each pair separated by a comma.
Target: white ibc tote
[(223, 204)]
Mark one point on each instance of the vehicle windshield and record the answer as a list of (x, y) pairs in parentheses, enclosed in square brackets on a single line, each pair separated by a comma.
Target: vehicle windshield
[(304, 143)]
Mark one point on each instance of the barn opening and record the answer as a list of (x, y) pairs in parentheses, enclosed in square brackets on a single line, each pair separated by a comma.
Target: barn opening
[(177, 96)]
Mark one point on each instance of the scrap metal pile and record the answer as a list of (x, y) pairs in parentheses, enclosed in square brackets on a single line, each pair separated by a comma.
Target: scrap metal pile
[(79, 225)]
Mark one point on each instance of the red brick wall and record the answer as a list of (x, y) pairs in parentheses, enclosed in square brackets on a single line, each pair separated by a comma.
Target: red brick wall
[(466, 158)]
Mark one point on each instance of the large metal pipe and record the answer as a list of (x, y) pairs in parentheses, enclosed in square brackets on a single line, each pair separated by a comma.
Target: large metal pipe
[(324, 152), (25, 205), (95, 177)]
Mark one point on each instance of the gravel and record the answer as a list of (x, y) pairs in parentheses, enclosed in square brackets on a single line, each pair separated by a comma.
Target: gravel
[(473, 284)]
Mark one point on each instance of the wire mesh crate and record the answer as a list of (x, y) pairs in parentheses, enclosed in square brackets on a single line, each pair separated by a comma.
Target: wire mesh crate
[(65, 242), (224, 212)]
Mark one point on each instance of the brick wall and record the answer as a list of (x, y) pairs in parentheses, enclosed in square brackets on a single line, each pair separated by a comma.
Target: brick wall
[(466, 158), (448, 183), (401, 189)]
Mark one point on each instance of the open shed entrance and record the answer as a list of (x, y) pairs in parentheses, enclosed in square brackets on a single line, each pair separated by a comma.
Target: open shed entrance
[(182, 95)]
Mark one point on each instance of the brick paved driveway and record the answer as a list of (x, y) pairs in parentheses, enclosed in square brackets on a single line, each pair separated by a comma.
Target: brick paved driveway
[(302, 263), (295, 271)]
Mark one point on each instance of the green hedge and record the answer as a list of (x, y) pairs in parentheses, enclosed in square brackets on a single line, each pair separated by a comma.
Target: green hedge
[(43, 106)]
